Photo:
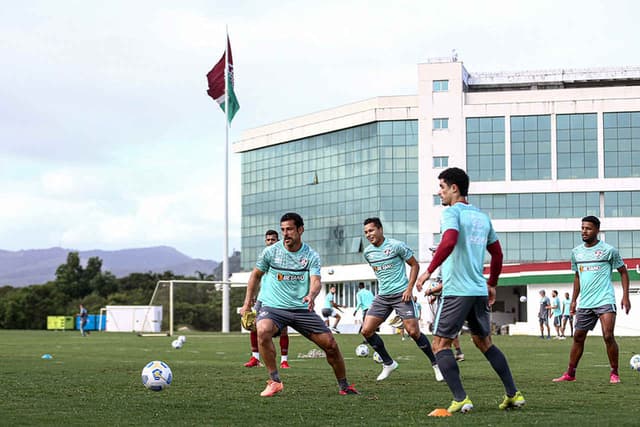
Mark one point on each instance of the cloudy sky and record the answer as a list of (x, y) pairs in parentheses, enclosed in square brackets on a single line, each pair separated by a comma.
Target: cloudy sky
[(108, 140)]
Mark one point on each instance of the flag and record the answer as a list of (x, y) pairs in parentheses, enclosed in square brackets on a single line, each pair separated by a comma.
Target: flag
[(216, 80)]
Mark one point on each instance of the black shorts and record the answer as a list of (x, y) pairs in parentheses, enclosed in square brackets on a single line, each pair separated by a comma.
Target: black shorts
[(304, 321), (586, 318), (454, 311), (383, 305)]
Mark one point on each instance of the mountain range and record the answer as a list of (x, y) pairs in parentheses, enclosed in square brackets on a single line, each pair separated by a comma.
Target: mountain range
[(38, 266)]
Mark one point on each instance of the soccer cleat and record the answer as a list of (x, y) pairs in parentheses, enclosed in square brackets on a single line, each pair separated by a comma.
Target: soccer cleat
[(252, 363), (614, 379), (564, 377), (334, 330), (272, 388), (349, 390), (386, 370), (517, 401), (436, 371), (460, 357), (284, 365), (464, 406)]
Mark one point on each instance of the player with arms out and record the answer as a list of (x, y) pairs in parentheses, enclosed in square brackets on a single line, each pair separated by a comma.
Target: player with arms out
[(387, 258), (270, 237), (467, 233), (593, 263), (288, 294)]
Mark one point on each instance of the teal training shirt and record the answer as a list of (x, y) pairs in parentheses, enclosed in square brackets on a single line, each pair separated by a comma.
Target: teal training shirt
[(462, 270), (364, 298), (328, 300), (388, 263), (287, 275), (566, 308), (594, 266), (557, 311)]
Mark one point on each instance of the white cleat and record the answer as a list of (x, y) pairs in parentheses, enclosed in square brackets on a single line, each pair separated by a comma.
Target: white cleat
[(386, 370), (436, 371)]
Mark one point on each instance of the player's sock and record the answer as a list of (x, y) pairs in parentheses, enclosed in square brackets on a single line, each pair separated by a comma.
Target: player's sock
[(254, 343), (256, 354), (343, 383), (424, 345), (284, 358), (284, 345), (275, 376), (614, 371), (571, 370), (378, 345), (449, 368), (501, 366)]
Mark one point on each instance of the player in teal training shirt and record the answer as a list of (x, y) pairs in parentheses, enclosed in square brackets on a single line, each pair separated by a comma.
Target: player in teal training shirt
[(292, 283), (593, 263)]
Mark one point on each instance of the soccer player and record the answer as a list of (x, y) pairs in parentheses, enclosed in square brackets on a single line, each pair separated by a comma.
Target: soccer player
[(567, 318), (435, 299), (291, 285), (331, 309), (556, 310), (467, 233), (387, 258), (84, 317), (544, 314), (270, 237), (593, 263), (364, 299)]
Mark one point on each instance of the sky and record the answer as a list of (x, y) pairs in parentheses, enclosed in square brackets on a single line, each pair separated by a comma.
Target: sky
[(109, 141)]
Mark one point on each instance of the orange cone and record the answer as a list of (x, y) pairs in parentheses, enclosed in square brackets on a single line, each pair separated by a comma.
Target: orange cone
[(439, 412)]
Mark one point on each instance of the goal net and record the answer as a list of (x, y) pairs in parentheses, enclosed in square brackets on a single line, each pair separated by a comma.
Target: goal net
[(195, 305)]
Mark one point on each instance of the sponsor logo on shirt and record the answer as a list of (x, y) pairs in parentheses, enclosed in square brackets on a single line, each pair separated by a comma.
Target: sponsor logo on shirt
[(584, 268), (290, 277), (383, 267)]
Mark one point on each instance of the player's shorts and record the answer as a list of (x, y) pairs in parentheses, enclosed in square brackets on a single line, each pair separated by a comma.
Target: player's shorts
[(543, 320), (557, 320), (586, 318), (329, 312), (383, 305), (455, 310), (567, 317), (304, 321)]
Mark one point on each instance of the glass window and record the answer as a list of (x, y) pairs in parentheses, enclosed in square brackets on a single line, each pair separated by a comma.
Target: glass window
[(621, 145), (485, 148), (441, 162), (530, 154), (576, 135), (442, 123), (440, 85)]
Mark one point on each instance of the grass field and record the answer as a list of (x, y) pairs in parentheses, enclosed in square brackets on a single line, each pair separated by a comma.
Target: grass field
[(96, 381)]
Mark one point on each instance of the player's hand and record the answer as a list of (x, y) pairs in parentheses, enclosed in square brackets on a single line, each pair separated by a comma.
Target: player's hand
[(572, 308), (625, 304), (407, 295), (421, 279), (245, 308), (492, 295), (310, 301)]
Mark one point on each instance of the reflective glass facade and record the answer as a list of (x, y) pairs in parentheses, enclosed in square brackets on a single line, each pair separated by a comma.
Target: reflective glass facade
[(530, 147), (622, 203), (577, 145), (621, 144), (538, 205), (539, 246), (625, 241), (334, 181), (485, 148)]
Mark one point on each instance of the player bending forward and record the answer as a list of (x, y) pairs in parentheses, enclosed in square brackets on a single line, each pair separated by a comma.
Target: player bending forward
[(292, 283)]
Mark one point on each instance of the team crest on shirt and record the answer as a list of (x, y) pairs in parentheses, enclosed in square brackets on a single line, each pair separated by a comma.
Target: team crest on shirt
[(598, 253), (387, 251), (304, 262)]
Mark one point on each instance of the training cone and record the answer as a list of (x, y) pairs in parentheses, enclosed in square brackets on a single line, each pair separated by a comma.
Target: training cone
[(439, 412), (47, 356)]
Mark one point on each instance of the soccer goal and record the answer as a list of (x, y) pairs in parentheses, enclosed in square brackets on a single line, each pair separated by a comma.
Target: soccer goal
[(194, 304)]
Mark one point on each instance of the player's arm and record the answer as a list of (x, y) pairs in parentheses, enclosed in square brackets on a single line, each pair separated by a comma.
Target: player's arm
[(624, 279), (495, 268), (574, 294), (445, 248), (407, 295), (252, 286), (314, 289)]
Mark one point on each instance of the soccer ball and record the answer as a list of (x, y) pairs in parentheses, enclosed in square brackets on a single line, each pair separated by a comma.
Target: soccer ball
[(635, 362), (182, 339), (156, 375), (376, 357), (362, 350), (177, 344), (523, 298)]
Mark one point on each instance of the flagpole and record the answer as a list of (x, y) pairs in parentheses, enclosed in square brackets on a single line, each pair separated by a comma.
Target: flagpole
[(225, 259)]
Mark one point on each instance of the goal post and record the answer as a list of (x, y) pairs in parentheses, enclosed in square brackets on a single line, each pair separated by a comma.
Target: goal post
[(192, 303)]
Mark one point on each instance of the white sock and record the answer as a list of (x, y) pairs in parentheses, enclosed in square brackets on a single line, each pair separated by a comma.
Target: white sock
[(284, 358), (256, 355)]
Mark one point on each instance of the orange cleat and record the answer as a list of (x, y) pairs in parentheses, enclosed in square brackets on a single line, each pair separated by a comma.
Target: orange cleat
[(272, 388)]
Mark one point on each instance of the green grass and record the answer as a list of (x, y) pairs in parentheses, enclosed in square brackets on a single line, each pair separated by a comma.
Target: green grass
[(96, 381)]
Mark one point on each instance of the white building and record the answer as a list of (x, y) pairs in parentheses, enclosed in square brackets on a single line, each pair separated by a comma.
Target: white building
[(542, 148)]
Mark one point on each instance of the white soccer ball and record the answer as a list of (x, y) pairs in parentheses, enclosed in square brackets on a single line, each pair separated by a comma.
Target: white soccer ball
[(177, 344), (376, 357), (156, 375), (362, 350), (523, 298), (182, 339), (635, 362)]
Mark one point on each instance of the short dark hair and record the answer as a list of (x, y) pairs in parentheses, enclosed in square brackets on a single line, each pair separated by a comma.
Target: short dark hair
[(593, 220), (292, 216), (272, 233), (458, 177), (361, 285), (373, 220)]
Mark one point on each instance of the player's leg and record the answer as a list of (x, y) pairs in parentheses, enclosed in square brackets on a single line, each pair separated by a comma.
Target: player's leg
[(585, 321), (563, 327), (413, 329), (284, 348), (541, 321), (255, 353), (456, 346), (268, 324), (378, 311), (608, 323)]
